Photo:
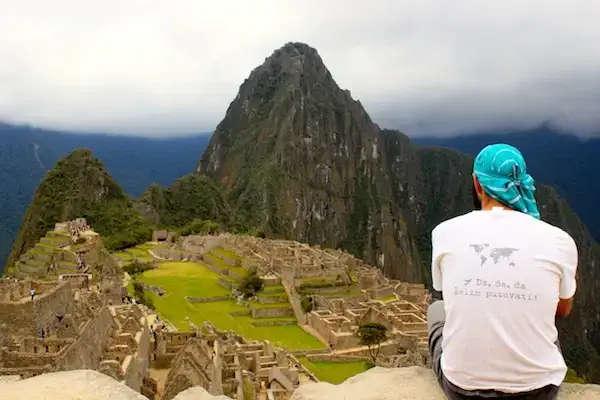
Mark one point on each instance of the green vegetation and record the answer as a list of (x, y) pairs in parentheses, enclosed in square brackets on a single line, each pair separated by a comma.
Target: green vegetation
[(200, 226), (136, 267), (334, 372), (572, 377), (372, 334), (79, 186), (191, 198), (251, 285), (119, 223), (308, 303), (141, 295)]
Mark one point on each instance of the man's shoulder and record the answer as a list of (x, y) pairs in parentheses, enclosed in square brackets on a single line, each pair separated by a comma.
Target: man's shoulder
[(555, 232), (453, 223)]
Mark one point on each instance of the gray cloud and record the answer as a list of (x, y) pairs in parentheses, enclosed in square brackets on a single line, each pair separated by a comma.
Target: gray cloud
[(439, 67)]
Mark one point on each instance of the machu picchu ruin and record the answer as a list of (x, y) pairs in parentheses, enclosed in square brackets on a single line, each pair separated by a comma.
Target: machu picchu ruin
[(67, 304)]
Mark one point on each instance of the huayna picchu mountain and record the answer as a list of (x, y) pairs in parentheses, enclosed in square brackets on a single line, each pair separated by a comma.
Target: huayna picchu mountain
[(299, 158), (79, 186)]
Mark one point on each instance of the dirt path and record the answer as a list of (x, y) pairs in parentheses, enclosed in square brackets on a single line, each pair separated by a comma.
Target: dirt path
[(357, 348)]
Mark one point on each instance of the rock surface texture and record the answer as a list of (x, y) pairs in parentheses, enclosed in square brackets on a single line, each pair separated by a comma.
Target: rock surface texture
[(68, 385), (198, 393), (412, 383)]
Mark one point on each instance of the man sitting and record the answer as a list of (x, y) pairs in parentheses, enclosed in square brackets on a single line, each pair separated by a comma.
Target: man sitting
[(504, 275)]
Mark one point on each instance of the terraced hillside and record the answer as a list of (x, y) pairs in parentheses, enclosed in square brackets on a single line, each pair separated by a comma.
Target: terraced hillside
[(57, 253), (200, 290)]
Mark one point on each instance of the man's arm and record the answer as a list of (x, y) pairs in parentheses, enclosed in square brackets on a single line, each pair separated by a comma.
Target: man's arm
[(436, 258), (564, 307), (567, 258)]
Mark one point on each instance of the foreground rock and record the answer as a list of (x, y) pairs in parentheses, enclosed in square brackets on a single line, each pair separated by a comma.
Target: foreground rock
[(412, 383), (68, 385), (198, 393)]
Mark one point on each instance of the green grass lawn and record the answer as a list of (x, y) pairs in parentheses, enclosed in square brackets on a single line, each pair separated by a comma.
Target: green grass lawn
[(181, 279), (331, 372), (226, 253), (123, 256)]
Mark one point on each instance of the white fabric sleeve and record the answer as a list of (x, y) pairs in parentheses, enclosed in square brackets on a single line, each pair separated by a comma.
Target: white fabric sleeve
[(567, 258), (436, 257)]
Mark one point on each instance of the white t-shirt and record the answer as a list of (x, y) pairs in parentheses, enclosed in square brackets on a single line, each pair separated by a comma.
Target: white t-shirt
[(502, 273)]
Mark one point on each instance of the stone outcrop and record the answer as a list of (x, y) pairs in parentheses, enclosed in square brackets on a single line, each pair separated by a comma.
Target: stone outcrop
[(68, 385), (198, 393), (413, 383)]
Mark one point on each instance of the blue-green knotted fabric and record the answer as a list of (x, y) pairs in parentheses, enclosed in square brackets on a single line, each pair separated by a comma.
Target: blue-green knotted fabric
[(502, 172)]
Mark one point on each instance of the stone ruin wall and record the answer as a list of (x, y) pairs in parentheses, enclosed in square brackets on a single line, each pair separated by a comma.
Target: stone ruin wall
[(22, 318), (221, 362), (85, 339), (88, 349)]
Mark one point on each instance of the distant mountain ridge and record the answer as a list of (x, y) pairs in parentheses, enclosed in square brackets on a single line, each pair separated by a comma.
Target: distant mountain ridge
[(26, 153), (566, 162)]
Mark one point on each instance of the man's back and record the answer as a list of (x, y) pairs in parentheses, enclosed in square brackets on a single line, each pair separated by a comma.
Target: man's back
[(502, 273)]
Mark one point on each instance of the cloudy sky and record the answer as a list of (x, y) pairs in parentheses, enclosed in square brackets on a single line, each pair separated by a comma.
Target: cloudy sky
[(158, 68)]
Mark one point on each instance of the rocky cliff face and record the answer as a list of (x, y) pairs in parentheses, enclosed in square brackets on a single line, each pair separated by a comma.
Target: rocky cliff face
[(299, 158)]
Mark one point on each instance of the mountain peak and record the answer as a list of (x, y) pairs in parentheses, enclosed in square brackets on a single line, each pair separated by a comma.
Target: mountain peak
[(294, 58), (76, 183)]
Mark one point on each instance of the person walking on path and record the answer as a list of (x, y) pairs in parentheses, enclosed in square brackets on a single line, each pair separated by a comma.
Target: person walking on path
[(505, 276)]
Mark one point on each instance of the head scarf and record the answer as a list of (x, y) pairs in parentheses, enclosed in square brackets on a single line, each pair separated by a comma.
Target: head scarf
[(502, 173)]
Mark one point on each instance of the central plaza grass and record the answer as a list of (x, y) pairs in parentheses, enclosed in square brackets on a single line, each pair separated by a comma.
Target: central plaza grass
[(333, 372), (181, 279)]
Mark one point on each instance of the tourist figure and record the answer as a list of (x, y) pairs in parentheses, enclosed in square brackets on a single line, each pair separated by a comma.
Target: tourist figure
[(32, 292), (504, 276), (59, 317)]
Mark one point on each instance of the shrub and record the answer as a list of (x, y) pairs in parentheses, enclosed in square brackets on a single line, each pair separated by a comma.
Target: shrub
[(137, 267), (200, 226), (251, 285), (308, 303), (141, 295)]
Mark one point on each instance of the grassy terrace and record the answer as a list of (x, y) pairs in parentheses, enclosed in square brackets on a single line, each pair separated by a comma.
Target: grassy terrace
[(333, 372), (181, 279), (140, 252)]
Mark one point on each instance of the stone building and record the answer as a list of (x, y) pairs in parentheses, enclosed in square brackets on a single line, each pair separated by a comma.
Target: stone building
[(64, 328), (225, 364)]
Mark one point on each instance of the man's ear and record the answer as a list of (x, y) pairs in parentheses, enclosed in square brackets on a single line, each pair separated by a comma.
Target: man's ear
[(477, 186)]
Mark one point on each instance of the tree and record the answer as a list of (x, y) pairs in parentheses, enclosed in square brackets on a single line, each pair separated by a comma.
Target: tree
[(372, 334), (137, 267), (251, 284)]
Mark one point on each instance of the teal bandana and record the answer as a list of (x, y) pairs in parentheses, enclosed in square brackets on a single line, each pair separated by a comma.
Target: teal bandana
[(502, 172)]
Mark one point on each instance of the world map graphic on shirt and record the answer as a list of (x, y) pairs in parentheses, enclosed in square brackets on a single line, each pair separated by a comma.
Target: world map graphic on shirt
[(485, 252)]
